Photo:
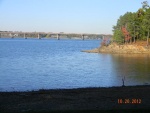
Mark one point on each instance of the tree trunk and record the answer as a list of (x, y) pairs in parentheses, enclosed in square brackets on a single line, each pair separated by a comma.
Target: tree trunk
[(130, 40), (134, 34), (148, 38)]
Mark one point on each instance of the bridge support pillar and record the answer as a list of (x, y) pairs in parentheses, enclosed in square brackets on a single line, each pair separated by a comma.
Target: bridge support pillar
[(58, 37), (39, 36), (25, 36), (103, 37), (82, 37), (12, 35)]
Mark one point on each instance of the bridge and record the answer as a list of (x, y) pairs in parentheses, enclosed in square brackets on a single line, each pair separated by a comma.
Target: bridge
[(40, 35)]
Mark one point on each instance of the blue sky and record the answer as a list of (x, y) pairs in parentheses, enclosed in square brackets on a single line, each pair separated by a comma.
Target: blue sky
[(70, 16)]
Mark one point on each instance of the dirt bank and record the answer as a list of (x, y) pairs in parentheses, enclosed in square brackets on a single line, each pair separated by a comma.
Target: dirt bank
[(121, 49), (103, 99)]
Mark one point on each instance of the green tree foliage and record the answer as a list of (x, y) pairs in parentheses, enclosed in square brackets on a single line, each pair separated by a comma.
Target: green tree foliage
[(136, 23), (118, 36)]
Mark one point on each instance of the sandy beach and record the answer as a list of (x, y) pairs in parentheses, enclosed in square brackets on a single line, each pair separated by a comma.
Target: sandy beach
[(123, 99)]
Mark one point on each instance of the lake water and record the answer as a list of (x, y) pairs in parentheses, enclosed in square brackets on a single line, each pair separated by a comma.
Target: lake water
[(34, 64)]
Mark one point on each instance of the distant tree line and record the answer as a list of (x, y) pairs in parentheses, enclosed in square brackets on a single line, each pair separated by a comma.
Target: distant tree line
[(133, 26)]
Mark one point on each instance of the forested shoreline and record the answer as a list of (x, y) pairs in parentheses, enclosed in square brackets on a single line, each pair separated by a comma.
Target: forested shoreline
[(133, 26)]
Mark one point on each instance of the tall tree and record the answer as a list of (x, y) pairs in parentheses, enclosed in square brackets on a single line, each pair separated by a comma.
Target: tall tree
[(146, 20), (136, 25)]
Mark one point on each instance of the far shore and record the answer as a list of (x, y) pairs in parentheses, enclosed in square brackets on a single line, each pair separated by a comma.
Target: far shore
[(135, 98)]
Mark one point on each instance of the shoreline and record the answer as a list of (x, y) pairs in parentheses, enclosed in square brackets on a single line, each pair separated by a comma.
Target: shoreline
[(103, 99), (96, 50), (72, 89), (114, 48)]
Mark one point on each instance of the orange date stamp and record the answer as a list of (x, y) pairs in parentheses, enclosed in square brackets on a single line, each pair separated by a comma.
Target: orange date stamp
[(129, 101)]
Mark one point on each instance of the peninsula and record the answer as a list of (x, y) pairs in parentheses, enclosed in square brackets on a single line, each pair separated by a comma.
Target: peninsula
[(130, 35), (113, 48)]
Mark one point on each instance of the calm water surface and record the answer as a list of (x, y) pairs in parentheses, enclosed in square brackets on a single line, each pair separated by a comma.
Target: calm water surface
[(34, 64)]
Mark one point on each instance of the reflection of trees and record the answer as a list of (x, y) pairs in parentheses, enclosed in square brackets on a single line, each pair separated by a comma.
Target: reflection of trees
[(135, 66)]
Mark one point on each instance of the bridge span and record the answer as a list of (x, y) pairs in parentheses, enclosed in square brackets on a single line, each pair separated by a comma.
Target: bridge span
[(40, 35)]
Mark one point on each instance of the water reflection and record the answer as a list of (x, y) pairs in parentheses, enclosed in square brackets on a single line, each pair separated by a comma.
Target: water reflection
[(135, 67)]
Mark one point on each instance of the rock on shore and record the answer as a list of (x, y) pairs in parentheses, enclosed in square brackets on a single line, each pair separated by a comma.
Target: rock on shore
[(123, 49), (96, 50)]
